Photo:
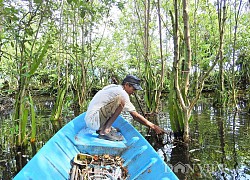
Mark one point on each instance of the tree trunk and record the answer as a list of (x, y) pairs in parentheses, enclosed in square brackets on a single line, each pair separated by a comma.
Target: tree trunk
[(188, 56), (221, 20), (162, 60), (146, 30), (188, 53), (236, 17)]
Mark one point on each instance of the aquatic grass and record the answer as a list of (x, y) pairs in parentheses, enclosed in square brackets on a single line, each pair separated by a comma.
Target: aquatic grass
[(175, 113), (151, 86), (57, 109), (37, 60), (27, 112), (22, 131), (33, 120)]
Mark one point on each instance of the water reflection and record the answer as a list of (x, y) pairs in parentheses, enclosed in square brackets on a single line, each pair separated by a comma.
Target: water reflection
[(13, 158), (219, 147), (220, 136), (179, 161)]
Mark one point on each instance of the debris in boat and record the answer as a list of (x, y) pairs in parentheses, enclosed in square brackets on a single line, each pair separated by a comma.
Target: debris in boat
[(90, 167)]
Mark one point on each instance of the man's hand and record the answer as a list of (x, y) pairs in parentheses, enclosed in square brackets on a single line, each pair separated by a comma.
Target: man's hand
[(157, 129), (147, 123)]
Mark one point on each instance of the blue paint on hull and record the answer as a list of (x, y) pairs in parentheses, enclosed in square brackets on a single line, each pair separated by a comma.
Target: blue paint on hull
[(53, 161)]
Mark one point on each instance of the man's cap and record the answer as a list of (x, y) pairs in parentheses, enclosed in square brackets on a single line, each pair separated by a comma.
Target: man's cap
[(134, 81)]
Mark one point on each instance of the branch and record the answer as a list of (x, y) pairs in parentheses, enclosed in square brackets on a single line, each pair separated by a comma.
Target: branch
[(176, 54), (201, 82)]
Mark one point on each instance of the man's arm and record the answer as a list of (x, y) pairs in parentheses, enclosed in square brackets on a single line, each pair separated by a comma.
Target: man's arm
[(145, 122)]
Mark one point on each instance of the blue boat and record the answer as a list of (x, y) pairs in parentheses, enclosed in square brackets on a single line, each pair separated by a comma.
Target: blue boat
[(54, 159)]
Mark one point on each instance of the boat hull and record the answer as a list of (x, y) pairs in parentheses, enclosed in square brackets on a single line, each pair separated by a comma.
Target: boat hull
[(53, 160)]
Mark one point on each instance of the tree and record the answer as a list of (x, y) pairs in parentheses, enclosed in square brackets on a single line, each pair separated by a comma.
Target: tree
[(182, 104)]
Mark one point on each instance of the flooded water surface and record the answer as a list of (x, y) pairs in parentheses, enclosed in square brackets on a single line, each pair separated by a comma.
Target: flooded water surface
[(219, 147)]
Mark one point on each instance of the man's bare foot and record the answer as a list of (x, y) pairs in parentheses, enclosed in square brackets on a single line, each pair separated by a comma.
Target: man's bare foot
[(104, 131)]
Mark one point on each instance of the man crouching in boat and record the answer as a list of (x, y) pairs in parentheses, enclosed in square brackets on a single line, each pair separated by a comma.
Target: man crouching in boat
[(107, 105)]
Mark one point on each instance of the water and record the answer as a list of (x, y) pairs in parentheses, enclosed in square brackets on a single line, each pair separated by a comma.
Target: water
[(219, 147), (220, 144), (13, 159)]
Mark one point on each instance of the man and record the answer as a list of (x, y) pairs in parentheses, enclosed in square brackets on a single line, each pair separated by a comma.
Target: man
[(107, 105)]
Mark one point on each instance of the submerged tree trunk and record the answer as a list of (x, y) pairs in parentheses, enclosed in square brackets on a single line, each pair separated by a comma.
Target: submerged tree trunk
[(182, 93), (180, 105), (221, 96), (174, 108), (236, 17), (188, 58)]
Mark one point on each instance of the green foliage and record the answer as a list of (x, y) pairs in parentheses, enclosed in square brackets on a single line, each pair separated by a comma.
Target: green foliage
[(33, 119), (175, 112), (23, 124), (37, 60), (151, 85), (27, 118), (57, 109)]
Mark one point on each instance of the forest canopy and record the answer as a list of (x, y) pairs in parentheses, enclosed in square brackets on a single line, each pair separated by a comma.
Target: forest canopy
[(75, 47), (99, 39)]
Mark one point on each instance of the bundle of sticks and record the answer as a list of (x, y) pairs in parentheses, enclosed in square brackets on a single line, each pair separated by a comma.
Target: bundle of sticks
[(90, 167)]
